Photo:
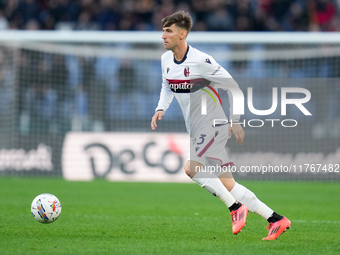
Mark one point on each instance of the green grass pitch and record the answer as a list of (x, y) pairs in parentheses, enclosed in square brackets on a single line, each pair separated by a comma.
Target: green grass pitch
[(102, 217)]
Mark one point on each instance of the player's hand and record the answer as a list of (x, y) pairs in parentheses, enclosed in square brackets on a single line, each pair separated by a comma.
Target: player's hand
[(158, 116), (238, 132)]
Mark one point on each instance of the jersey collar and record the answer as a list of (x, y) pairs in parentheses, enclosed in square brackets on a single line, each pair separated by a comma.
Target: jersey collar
[(183, 59)]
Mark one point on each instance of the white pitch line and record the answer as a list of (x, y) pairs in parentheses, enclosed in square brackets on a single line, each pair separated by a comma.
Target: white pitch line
[(318, 221)]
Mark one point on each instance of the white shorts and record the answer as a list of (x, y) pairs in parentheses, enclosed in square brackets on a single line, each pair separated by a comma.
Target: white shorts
[(208, 147)]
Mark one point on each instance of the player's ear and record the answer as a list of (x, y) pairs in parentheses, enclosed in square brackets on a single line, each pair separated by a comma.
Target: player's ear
[(183, 34)]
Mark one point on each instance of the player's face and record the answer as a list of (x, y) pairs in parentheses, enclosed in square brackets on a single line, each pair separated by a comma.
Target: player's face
[(171, 37)]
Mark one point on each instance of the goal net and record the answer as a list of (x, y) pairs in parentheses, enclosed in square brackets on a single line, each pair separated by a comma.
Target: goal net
[(52, 83)]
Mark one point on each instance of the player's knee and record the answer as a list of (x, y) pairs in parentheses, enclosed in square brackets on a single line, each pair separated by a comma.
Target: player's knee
[(187, 169), (191, 168)]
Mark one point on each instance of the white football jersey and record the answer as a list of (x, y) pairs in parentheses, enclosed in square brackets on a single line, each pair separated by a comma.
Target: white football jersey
[(193, 81)]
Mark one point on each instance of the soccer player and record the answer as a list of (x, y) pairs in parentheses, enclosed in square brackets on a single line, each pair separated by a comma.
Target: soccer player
[(192, 77)]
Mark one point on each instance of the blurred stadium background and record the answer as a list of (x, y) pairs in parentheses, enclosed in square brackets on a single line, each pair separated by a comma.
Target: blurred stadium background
[(93, 67), (79, 82)]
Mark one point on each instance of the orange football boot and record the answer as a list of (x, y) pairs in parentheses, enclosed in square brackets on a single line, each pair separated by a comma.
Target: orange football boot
[(277, 228), (238, 217)]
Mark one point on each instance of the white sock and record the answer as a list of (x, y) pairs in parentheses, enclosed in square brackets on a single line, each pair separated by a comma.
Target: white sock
[(214, 186), (245, 196)]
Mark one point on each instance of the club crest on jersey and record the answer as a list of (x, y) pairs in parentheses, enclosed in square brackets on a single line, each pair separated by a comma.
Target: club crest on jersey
[(167, 70), (186, 71)]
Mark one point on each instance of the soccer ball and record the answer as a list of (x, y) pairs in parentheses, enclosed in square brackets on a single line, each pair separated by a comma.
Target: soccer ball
[(46, 208)]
